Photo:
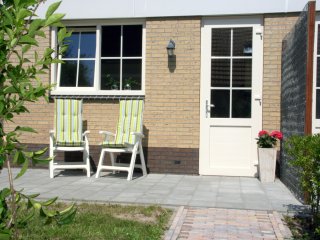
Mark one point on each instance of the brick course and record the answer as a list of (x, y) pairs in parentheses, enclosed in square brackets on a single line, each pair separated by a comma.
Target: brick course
[(276, 27)]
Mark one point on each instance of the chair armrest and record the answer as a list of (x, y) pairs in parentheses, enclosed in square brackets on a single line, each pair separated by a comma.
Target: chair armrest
[(138, 134), (107, 133), (85, 133)]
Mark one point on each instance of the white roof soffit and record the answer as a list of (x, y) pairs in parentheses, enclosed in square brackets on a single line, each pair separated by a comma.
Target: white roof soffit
[(106, 9)]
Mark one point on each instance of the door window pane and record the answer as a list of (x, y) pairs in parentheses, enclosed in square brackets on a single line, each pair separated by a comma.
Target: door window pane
[(241, 72), (221, 38), (111, 40), (73, 45), (88, 45), (110, 74), (131, 74), (132, 41), (318, 72), (318, 104), (86, 73), (68, 76), (220, 72), (220, 99), (242, 42), (241, 104)]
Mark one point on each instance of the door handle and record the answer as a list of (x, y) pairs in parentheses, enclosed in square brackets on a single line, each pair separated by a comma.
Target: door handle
[(258, 98), (208, 108)]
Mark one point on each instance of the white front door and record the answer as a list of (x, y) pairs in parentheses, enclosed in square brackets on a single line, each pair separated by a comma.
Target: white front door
[(231, 90)]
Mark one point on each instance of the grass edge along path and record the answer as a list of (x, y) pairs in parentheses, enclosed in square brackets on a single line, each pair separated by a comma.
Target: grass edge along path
[(105, 221)]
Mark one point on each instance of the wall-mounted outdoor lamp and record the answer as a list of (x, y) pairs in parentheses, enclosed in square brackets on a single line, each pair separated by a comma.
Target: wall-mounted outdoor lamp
[(170, 48)]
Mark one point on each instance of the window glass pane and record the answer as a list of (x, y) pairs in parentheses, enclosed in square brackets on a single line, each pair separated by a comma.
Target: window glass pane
[(241, 104), (242, 42), (68, 77), (221, 101), (220, 72), (73, 45), (110, 74), (131, 74), (86, 73), (221, 38), (318, 104), (132, 41), (241, 72), (318, 71), (111, 39), (318, 47), (88, 45)]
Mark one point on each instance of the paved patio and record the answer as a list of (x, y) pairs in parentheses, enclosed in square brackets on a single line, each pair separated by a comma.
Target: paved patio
[(164, 189)]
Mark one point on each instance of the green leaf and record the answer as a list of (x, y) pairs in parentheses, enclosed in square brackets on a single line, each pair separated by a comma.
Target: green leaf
[(52, 8), (41, 152), (50, 201), (8, 16), (16, 3), (10, 89), (18, 158), (54, 19), (68, 209), (36, 205), (23, 169), (1, 107), (48, 51), (68, 218), (23, 13), (26, 39), (47, 213), (13, 42), (5, 193), (40, 33), (25, 129), (26, 48), (35, 25)]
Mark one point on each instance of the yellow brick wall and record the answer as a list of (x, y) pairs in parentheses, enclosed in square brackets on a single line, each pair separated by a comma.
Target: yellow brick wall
[(172, 95), (276, 27), (171, 116)]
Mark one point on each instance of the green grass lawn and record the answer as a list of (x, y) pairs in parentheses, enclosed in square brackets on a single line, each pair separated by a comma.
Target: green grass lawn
[(95, 221)]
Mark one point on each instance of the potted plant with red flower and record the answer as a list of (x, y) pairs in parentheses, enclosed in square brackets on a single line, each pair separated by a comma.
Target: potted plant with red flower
[(267, 153)]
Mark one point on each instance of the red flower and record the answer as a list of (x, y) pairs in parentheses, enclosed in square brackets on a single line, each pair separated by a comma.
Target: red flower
[(277, 134), (262, 132)]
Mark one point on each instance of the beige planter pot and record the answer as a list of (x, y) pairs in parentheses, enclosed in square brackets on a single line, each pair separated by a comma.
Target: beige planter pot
[(267, 164)]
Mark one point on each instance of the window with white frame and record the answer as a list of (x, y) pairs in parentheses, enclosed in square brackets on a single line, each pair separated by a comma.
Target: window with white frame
[(106, 59)]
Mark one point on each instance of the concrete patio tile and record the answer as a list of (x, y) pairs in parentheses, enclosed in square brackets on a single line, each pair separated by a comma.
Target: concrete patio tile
[(232, 205)]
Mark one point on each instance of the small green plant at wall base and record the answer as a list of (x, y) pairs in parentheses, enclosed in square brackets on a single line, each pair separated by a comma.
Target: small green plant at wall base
[(304, 152), (268, 140), (20, 83)]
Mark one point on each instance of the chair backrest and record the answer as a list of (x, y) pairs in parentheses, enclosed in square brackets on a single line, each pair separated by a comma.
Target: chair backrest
[(130, 120), (68, 122)]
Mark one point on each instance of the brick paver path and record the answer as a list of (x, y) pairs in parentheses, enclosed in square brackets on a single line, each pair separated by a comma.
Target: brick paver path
[(214, 223)]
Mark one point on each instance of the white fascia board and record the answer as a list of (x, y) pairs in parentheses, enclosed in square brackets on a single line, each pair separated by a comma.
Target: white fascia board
[(108, 9)]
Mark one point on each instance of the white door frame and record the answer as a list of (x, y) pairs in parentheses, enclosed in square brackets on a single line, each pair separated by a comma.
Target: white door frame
[(315, 122), (222, 22)]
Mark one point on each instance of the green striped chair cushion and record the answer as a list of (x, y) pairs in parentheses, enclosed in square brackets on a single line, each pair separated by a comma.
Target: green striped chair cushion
[(68, 122), (130, 120)]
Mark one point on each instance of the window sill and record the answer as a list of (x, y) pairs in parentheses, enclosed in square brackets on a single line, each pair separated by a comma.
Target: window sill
[(87, 94)]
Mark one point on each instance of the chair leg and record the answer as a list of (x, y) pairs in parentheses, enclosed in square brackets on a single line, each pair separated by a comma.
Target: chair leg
[(132, 162), (112, 161), (100, 163), (86, 159), (143, 163), (51, 170)]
